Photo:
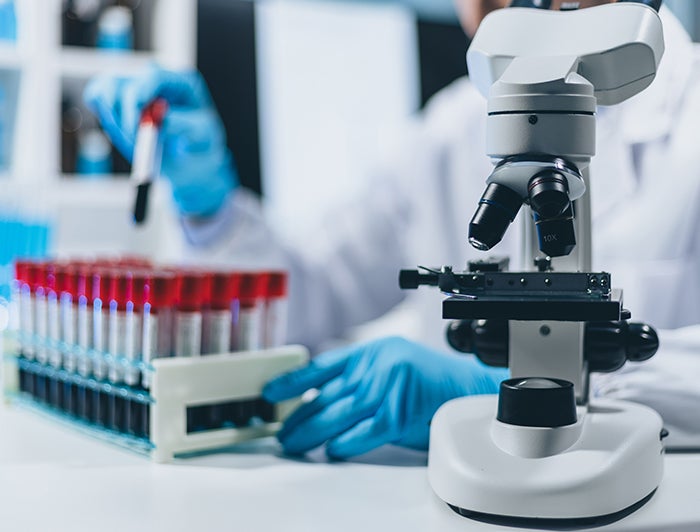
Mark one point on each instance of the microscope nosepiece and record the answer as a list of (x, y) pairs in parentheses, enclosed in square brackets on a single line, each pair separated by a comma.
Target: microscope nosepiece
[(497, 208)]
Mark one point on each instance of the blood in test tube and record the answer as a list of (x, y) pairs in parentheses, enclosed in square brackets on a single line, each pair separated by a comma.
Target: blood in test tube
[(157, 340), (14, 324), (217, 317), (134, 333), (41, 319), (83, 310), (65, 287), (188, 315), (103, 281), (122, 335), (67, 324), (52, 317), (275, 309), (24, 309), (248, 329), (17, 321)]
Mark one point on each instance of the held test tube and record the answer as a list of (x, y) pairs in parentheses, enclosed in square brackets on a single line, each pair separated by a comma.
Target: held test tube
[(147, 154)]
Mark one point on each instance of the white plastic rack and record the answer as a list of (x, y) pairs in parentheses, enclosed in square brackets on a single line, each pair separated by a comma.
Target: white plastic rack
[(193, 404)]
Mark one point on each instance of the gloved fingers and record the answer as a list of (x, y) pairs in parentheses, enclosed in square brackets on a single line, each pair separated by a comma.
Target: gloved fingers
[(192, 131), (180, 88), (326, 424), (319, 371), (330, 393), (343, 413), (101, 96), (367, 435), (386, 426)]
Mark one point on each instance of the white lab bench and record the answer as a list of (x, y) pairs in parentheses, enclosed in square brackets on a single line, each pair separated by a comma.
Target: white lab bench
[(53, 478)]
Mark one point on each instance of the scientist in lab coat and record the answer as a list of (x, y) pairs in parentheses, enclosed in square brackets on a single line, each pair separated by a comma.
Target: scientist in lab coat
[(645, 186)]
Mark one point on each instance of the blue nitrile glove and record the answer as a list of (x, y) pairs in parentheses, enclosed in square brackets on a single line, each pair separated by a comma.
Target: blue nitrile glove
[(385, 391), (195, 157)]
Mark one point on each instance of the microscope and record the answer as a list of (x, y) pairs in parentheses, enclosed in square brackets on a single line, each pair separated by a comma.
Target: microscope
[(542, 451)]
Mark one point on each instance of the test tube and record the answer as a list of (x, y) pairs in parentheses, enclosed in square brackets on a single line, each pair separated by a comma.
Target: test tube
[(188, 315), (41, 317), (53, 317), (14, 324), (248, 329), (17, 323), (134, 331), (275, 312), (217, 318), (158, 320), (102, 288), (65, 287), (122, 335), (64, 393), (83, 304), (24, 310)]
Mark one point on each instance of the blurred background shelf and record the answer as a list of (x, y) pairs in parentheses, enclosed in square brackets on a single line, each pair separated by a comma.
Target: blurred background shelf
[(82, 62)]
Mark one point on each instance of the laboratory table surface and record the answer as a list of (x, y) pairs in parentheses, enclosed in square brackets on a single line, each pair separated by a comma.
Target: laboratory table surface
[(54, 478)]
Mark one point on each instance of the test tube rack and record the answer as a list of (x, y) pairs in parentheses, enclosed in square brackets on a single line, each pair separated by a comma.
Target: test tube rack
[(194, 404)]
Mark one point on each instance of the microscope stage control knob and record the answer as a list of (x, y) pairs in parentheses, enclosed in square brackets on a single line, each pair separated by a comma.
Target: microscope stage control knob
[(537, 402)]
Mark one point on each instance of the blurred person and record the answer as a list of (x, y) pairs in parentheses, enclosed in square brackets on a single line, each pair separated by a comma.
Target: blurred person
[(646, 206)]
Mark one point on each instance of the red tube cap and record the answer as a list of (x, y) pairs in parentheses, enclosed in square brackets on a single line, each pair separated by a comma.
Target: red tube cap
[(277, 284), (221, 290), (191, 292), (162, 289)]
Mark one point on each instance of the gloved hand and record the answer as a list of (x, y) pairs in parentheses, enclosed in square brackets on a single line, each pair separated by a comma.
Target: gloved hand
[(195, 157), (385, 391)]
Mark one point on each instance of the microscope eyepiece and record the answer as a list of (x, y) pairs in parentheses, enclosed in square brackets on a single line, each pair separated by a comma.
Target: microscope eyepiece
[(497, 208)]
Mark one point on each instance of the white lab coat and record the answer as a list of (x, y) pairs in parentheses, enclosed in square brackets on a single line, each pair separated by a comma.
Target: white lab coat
[(645, 187)]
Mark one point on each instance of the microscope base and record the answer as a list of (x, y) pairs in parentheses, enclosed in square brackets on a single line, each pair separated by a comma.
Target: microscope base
[(609, 470)]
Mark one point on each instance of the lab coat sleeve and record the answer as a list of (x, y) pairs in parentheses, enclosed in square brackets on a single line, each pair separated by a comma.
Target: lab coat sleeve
[(345, 274), (668, 383)]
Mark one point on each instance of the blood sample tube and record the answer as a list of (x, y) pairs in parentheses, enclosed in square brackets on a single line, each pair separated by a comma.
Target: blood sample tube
[(24, 309), (102, 288), (65, 287), (158, 320), (83, 304), (53, 317), (188, 315), (17, 325), (217, 318), (41, 318), (141, 282), (121, 336), (248, 329), (275, 312), (15, 288)]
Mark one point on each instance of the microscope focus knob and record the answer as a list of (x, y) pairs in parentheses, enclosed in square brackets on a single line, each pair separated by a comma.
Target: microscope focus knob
[(642, 342), (537, 402)]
